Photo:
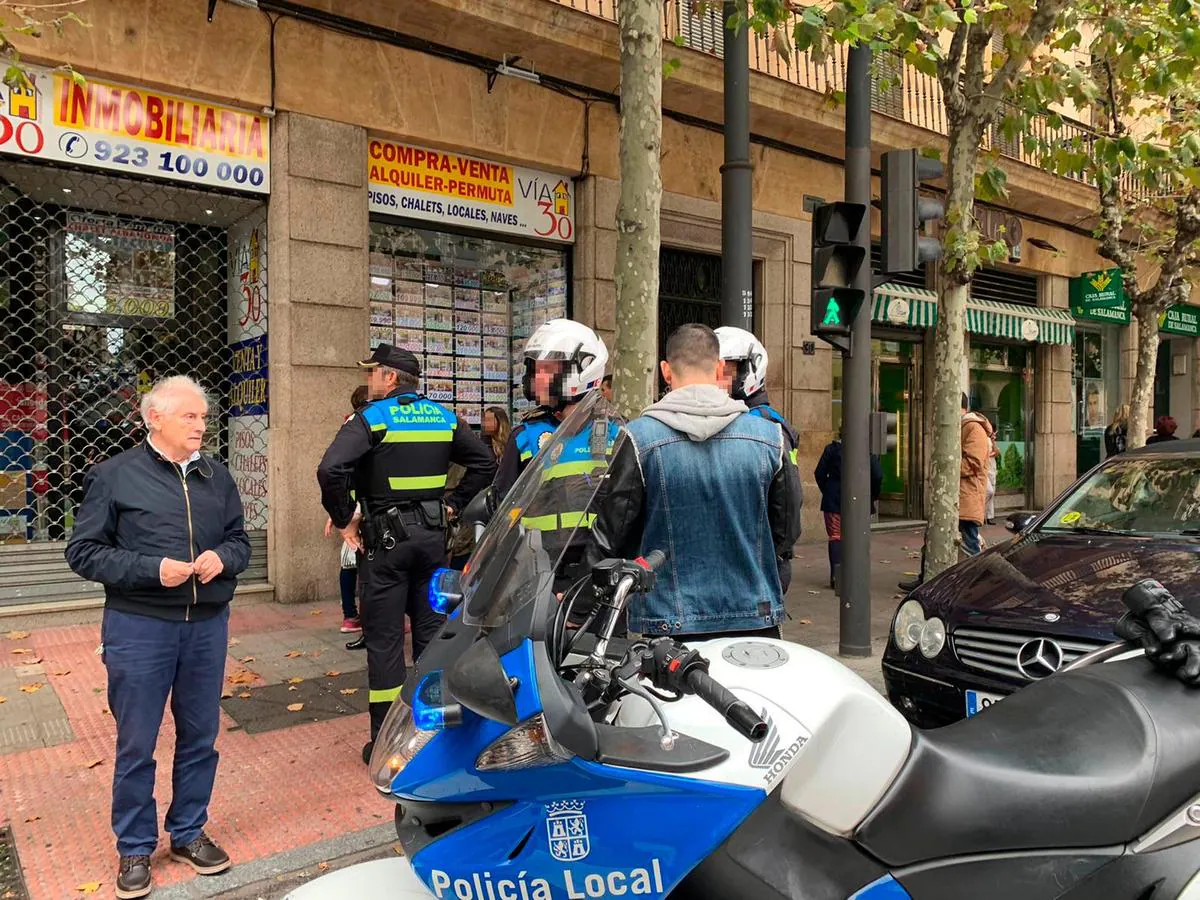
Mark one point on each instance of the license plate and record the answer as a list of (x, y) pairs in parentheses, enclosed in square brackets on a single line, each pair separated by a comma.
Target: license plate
[(977, 701)]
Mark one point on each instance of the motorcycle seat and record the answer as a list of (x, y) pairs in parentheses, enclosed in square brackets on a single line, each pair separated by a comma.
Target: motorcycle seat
[(1091, 758)]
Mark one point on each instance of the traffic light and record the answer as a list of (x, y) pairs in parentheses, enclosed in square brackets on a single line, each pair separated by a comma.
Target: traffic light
[(904, 211), (884, 426), (836, 261)]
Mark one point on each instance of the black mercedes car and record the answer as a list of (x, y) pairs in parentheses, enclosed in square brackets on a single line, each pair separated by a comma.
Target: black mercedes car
[(1022, 610)]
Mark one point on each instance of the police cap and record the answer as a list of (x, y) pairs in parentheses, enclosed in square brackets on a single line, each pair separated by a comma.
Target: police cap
[(394, 358)]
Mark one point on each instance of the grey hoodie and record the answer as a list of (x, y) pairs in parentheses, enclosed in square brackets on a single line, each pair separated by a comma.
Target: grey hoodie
[(698, 410)]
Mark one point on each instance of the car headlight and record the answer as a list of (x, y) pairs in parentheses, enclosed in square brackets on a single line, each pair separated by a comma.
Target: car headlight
[(933, 638), (399, 740), (910, 622)]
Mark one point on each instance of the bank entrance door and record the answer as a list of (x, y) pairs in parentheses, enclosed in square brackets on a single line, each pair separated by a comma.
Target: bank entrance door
[(896, 375)]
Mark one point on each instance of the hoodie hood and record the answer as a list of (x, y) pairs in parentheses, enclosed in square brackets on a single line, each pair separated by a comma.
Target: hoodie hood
[(698, 410)]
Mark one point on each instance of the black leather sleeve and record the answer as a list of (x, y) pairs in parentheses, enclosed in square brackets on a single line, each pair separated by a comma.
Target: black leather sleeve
[(468, 451), (335, 474), (784, 501), (510, 467), (617, 531)]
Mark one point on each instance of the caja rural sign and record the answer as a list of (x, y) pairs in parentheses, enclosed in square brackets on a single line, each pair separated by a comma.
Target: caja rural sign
[(104, 125), (421, 183)]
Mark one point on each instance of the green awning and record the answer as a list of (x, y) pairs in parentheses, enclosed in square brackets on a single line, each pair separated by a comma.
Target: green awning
[(897, 304)]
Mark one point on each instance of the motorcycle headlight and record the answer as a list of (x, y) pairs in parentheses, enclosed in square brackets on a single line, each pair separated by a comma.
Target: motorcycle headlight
[(910, 623), (933, 638), (398, 742)]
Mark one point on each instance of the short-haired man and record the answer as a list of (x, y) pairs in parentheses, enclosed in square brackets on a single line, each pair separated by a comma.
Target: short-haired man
[(161, 528), (395, 455), (711, 486)]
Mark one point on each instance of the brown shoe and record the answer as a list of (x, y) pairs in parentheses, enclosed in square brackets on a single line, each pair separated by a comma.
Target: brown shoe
[(133, 878), (203, 855)]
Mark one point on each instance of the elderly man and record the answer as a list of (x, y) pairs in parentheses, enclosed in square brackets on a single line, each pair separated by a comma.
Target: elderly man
[(161, 528)]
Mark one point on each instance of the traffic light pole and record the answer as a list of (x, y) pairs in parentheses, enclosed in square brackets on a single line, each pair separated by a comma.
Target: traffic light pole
[(737, 210), (855, 633)]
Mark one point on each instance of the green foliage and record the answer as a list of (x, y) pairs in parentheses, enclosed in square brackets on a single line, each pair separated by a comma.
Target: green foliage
[(32, 19)]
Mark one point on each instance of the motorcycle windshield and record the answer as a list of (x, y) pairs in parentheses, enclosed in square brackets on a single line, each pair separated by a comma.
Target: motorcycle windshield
[(543, 524)]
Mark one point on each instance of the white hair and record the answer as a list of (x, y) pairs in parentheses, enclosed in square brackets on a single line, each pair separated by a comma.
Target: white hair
[(164, 396)]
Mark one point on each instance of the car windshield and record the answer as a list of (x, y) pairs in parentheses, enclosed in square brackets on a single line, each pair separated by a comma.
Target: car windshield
[(1141, 495), (544, 517)]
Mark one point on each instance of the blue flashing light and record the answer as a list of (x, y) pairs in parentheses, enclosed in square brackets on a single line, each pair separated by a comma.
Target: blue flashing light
[(430, 712), (445, 591)]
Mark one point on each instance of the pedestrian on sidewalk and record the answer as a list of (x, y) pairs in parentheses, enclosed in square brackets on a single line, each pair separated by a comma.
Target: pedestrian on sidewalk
[(703, 480), (828, 475), (1116, 435), (993, 465), (161, 528), (348, 575)]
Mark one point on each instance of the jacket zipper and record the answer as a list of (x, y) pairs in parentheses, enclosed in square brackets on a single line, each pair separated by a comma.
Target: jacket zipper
[(187, 500)]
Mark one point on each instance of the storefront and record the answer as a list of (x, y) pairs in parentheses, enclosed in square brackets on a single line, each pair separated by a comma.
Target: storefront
[(999, 378), (1174, 382), (133, 248), (1101, 311), (468, 257)]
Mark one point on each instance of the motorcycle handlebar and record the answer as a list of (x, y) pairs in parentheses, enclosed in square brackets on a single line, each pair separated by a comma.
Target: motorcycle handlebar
[(745, 721)]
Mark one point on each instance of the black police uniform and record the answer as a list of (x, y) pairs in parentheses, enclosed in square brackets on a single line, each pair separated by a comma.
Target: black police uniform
[(760, 406), (395, 454)]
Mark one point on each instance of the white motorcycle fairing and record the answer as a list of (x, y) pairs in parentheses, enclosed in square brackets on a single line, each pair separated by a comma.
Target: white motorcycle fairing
[(380, 879), (834, 744)]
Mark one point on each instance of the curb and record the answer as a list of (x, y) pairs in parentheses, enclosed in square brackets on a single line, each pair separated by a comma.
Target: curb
[(273, 876)]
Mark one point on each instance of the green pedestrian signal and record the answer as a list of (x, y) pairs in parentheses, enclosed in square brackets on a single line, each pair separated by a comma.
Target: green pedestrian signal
[(833, 314)]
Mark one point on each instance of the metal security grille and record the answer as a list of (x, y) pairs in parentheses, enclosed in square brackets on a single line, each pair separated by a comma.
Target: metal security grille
[(106, 285)]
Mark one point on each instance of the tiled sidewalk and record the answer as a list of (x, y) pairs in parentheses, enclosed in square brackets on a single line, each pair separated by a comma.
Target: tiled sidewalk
[(276, 789)]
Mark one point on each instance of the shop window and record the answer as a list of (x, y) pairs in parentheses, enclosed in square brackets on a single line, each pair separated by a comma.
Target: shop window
[(466, 306), (997, 379), (109, 285)]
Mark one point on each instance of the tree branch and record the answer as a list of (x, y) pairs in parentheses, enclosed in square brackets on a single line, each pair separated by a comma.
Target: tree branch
[(1039, 27)]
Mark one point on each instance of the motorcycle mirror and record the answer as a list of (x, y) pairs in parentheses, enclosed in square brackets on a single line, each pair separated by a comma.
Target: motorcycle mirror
[(481, 508), (478, 682)]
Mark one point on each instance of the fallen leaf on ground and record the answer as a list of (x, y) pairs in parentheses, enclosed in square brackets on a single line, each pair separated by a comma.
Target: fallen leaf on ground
[(292, 654), (3, 699), (32, 688), (348, 691), (316, 612), (911, 574), (806, 621), (233, 642), (295, 680), (106, 711), (226, 694), (332, 674), (295, 707), (21, 651), (814, 593), (292, 688), (89, 887), (242, 676), (32, 819), (97, 690), (94, 763), (322, 866), (247, 659), (17, 635), (245, 696), (886, 562), (61, 672), (399, 849)]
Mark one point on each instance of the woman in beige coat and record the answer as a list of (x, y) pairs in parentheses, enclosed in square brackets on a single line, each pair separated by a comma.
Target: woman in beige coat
[(973, 476)]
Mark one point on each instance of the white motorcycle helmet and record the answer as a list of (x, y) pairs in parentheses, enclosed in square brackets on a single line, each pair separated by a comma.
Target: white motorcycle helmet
[(576, 345), (747, 351)]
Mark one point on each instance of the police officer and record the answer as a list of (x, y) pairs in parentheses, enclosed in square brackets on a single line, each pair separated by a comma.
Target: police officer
[(394, 454), (564, 361), (744, 377)]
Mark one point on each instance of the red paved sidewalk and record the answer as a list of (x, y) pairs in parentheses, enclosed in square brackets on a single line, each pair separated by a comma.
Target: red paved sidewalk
[(275, 791)]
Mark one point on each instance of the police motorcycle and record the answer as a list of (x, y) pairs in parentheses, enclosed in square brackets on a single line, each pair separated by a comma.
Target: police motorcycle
[(529, 760)]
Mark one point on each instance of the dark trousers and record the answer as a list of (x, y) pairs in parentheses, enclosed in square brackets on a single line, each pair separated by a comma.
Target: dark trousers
[(349, 584), (147, 659), (970, 536), (772, 632), (392, 584)]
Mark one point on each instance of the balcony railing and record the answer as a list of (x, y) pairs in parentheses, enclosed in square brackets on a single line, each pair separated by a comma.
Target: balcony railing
[(901, 92)]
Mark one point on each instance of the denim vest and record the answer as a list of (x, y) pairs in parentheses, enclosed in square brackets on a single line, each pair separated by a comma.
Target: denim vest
[(706, 509)]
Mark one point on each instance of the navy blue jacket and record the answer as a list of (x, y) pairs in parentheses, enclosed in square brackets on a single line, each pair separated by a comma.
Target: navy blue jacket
[(138, 510), (829, 478)]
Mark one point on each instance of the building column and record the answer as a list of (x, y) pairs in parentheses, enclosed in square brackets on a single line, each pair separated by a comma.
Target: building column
[(318, 246), (1054, 406), (594, 300)]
